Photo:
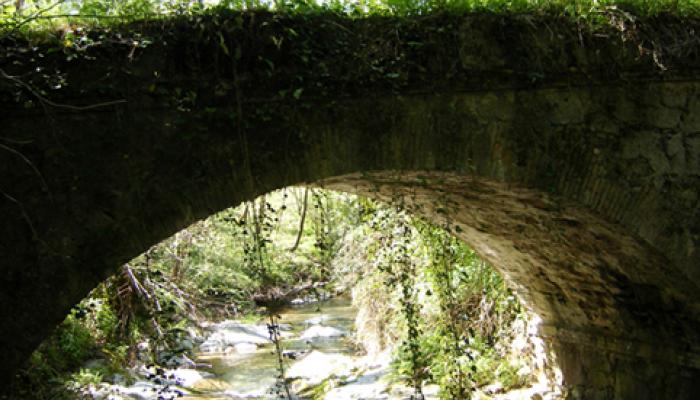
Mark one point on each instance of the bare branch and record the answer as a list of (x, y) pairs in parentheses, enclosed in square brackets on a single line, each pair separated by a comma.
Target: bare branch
[(34, 16), (138, 288), (24, 213), (31, 165), (16, 141), (46, 101)]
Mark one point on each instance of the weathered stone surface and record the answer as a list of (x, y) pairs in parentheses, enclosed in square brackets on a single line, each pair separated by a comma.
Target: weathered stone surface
[(582, 188)]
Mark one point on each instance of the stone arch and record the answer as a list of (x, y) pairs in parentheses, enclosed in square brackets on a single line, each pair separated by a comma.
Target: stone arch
[(585, 197), (570, 266)]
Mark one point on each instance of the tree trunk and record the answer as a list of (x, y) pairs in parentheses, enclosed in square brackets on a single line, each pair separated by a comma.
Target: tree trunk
[(19, 5), (304, 206)]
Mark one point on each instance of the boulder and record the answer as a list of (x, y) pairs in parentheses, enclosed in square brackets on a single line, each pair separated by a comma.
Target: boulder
[(318, 366), (321, 332)]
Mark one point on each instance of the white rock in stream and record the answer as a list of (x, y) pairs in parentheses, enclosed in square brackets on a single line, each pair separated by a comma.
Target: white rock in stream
[(373, 382), (319, 331), (138, 391), (365, 387), (186, 377), (246, 348), (232, 333), (318, 366), (318, 320)]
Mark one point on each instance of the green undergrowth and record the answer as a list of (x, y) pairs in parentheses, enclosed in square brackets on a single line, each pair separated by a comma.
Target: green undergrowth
[(39, 15), (57, 369)]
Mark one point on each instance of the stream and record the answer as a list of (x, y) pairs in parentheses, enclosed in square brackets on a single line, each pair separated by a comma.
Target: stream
[(316, 342), (237, 360)]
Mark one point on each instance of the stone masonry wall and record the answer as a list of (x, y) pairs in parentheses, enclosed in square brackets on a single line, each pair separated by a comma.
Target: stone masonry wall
[(573, 167)]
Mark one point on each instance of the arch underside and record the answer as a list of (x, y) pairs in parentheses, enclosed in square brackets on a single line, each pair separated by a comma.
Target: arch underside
[(585, 198), (604, 295)]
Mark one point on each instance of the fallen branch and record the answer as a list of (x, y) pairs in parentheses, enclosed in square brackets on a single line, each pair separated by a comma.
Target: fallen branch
[(138, 288)]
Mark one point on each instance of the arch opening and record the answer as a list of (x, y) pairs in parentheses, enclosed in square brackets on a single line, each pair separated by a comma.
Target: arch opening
[(597, 289), (183, 241)]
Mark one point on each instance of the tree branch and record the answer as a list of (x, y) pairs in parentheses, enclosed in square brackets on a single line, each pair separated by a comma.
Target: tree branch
[(24, 213), (31, 165), (46, 101), (33, 17)]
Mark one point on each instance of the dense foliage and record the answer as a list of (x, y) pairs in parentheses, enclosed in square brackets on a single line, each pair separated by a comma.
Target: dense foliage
[(450, 312), (145, 8), (17, 14)]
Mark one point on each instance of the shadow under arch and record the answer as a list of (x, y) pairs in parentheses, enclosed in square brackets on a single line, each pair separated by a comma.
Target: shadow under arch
[(571, 202)]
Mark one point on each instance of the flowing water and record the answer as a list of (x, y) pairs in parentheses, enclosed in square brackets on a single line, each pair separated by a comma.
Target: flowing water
[(251, 373), (243, 364)]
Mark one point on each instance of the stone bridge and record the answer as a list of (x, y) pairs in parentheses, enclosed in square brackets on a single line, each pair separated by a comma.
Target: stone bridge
[(567, 156)]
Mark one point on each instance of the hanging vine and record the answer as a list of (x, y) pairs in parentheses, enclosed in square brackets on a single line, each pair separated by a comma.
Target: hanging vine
[(397, 262), (456, 382), (258, 223), (323, 240)]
